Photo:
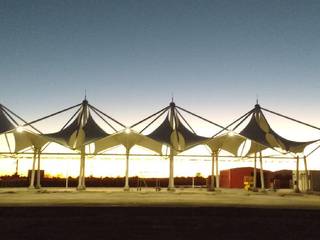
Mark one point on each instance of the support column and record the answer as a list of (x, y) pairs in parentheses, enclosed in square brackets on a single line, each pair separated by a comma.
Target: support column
[(84, 118), (296, 183), (255, 173), (80, 175), (31, 186), (81, 183), (83, 156), (67, 175), (261, 173), (171, 171), (211, 187), (306, 173), (38, 185), (67, 181), (17, 165), (126, 185), (217, 171)]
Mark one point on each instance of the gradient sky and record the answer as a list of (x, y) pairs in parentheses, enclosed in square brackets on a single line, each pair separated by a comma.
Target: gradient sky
[(215, 56)]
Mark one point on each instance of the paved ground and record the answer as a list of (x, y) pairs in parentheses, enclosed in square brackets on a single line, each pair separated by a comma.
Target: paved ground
[(145, 223), (149, 197), (110, 213)]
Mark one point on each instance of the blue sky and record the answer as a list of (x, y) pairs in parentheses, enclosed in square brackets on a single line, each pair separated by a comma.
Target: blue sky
[(130, 56)]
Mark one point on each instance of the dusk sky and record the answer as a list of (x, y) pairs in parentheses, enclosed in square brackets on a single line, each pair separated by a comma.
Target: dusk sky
[(130, 56)]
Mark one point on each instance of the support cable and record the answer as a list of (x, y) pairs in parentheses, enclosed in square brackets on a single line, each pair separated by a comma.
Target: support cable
[(145, 119), (70, 119), (292, 119), (47, 145), (51, 115), (106, 115), (185, 121), (242, 150), (9, 116), (313, 151), (175, 119), (103, 119), (7, 140), (17, 124), (81, 124), (213, 123), (244, 118), (286, 151), (163, 112), (238, 119)]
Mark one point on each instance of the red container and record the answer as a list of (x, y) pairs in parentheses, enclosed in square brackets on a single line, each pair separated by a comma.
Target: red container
[(234, 177)]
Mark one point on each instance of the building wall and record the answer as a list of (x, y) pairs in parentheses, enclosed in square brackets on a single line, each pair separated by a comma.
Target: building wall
[(313, 182), (225, 178), (282, 179), (234, 178)]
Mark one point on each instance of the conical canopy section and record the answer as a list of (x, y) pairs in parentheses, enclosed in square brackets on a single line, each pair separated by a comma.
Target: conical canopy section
[(5, 124), (259, 130), (23, 138), (172, 132), (81, 131)]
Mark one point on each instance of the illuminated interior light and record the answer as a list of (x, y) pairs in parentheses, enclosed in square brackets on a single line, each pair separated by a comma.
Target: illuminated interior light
[(127, 131), (231, 133), (20, 129)]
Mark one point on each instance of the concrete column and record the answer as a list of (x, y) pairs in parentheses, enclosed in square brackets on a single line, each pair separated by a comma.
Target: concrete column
[(67, 181), (17, 165), (211, 187), (81, 183), (217, 171), (306, 172), (126, 185), (171, 171), (67, 175), (296, 184), (83, 153), (261, 173), (255, 173), (80, 175), (31, 186), (38, 185), (171, 167)]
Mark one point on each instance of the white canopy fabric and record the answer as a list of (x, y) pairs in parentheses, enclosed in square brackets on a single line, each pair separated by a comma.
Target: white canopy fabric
[(26, 139), (23, 139), (227, 142), (128, 140), (255, 148)]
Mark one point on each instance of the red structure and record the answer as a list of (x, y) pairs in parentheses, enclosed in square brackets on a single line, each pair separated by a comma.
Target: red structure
[(234, 177)]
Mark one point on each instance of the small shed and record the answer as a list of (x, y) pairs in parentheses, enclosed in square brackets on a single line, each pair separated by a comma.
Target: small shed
[(234, 177)]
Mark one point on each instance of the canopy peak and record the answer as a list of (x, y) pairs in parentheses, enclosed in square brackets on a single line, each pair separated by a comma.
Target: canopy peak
[(85, 101)]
